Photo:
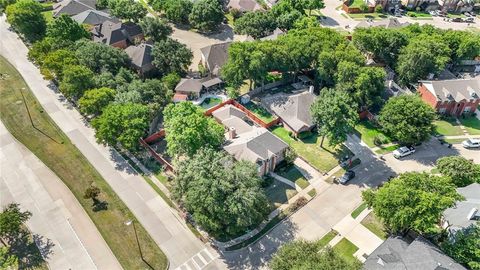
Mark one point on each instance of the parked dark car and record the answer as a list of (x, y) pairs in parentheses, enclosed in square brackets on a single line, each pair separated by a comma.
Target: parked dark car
[(347, 176), (457, 20)]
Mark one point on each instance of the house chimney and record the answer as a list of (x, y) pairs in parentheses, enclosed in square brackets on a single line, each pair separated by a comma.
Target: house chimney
[(232, 133), (310, 89)]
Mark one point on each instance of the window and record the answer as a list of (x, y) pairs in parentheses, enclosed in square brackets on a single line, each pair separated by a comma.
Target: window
[(442, 110), (467, 109)]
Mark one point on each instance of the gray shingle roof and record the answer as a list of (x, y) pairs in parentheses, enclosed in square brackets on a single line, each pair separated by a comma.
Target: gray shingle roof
[(457, 216), (293, 109), (244, 5), (398, 254), (110, 32), (93, 17), (454, 90), (215, 55), (73, 7), (141, 56), (189, 85)]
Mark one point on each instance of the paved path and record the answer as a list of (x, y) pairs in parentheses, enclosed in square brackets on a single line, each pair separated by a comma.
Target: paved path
[(161, 222), (58, 218)]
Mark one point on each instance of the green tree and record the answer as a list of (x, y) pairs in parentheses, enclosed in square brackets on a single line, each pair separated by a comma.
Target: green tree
[(363, 7), (312, 5), (287, 21), (407, 119), (188, 130), (379, 9), (464, 247), (76, 80), (423, 55), (369, 86), (335, 114), (177, 10), (223, 196), (7, 261), (100, 57), (462, 171), (94, 100), (3, 5), (306, 22), (151, 92), (171, 56), (65, 28), (385, 44), (12, 220), (412, 201), (256, 24), (26, 17), (127, 9), (301, 254), (55, 62), (92, 192), (155, 28), (122, 123), (206, 15), (171, 80)]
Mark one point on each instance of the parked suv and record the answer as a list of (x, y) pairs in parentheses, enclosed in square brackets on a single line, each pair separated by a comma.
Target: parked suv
[(471, 143), (347, 176)]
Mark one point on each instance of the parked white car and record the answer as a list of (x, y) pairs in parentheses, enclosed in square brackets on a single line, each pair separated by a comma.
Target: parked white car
[(471, 143), (403, 152)]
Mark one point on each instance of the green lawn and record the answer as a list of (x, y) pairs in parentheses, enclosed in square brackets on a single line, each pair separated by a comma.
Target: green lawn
[(454, 141), (208, 103), (420, 15), (386, 150), (54, 148), (323, 159), (48, 15), (448, 127), (472, 124), (346, 249), (326, 238), (372, 223), (293, 174), (312, 192), (260, 112), (364, 16), (357, 3), (368, 132), (279, 193), (459, 15), (358, 210)]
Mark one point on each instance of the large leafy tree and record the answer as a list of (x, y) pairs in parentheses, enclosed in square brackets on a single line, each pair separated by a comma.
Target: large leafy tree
[(256, 24), (423, 55), (287, 21), (122, 123), (26, 17), (462, 171), (335, 114), (464, 45), (94, 100), (171, 56), (206, 15), (407, 119), (55, 62), (7, 260), (223, 196), (12, 219), (188, 130), (155, 28), (151, 92), (301, 254), (175, 10), (127, 9), (65, 28), (383, 43), (100, 57), (412, 201), (464, 247), (76, 80)]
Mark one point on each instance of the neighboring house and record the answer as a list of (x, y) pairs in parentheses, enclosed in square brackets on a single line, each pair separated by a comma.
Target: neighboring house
[(73, 7), (389, 5), (294, 110), (248, 142), (456, 5), (466, 212), (191, 87), (423, 4), (141, 57), (453, 97), (118, 35), (244, 5), (215, 56), (397, 253), (93, 17), (387, 23), (276, 33)]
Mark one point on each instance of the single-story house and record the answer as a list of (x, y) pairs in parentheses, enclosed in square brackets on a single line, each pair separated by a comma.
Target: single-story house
[(194, 88), (94, 17), (246, 141), (73, 7), (215, 56), (294, 110), (244, 5), (465, 213), (403, 254), (118, 35), (453, 97), (141, 57)]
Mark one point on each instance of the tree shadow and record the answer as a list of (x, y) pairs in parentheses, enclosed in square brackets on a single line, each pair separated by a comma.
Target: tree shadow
[(258, 254), (31, 250), (99, 205)]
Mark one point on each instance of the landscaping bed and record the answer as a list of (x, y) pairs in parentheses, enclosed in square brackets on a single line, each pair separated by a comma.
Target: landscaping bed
[(374, 224), (358, 210), (321, 158), (54, 148)]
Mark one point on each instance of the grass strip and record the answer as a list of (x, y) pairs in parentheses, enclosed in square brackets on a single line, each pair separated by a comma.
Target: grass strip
[(358, 210), (56, 151), (327, 238)]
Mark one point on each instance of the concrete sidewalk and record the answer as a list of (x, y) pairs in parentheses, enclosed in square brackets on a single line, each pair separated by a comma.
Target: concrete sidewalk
[(58, 217), (162, 223)]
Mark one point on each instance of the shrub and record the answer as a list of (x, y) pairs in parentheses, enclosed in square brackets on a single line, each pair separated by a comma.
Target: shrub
[(235, 13), (299, 203), (378, 9), (380, 139)]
